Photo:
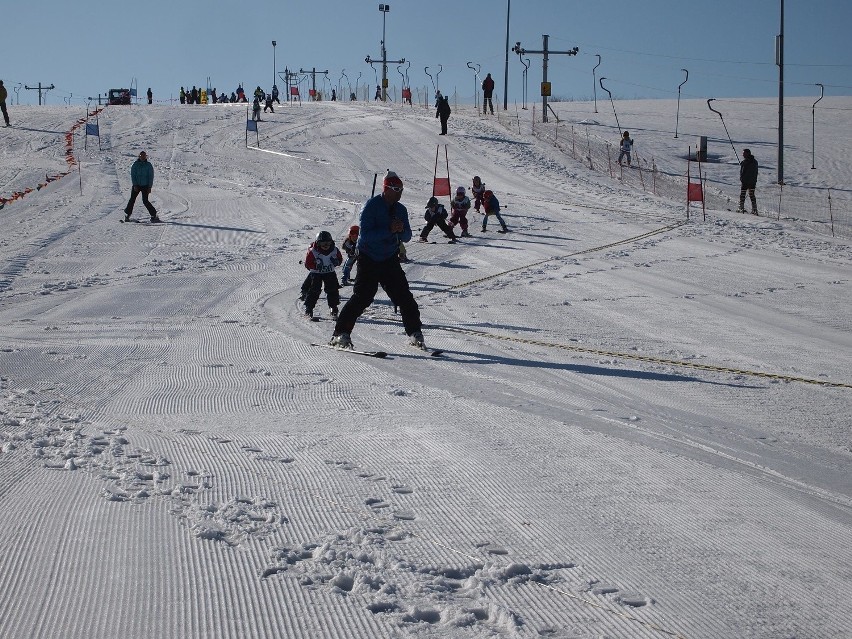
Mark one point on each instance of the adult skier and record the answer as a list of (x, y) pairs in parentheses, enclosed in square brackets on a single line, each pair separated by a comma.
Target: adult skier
[(384, 224)]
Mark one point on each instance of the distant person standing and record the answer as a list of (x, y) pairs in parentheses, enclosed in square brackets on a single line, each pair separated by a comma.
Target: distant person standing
[(150, 96), (487, 92), (142, 179), (626, 147), (3, 95), (443, 112), (748, 181), (378, 93)]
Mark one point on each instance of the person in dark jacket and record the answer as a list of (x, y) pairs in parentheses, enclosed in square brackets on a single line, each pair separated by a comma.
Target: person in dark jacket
[(436, 214), (748, 181), (384, 224), (3, 95), (487, 92), (142, 179), (443, 111), (150, 96)]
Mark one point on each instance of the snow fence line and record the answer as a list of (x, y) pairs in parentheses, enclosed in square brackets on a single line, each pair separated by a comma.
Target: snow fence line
[(823, 209), (70, 160)]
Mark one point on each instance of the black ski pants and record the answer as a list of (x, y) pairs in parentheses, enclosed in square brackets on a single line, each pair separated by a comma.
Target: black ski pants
[(440, 223), (369, 275), (144, 190), (332, 290)]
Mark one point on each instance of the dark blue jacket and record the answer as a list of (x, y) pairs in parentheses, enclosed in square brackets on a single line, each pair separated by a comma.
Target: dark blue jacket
[(376, 240)]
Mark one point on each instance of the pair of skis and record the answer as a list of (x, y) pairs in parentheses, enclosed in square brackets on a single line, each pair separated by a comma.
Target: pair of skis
[(432, 352)]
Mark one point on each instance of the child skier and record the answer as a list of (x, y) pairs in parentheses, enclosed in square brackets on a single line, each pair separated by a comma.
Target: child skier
[(255, 110), (477, 190), (461, 205), (322, 258), (351, 251), (626, 147), (436, 215), (492, 207)]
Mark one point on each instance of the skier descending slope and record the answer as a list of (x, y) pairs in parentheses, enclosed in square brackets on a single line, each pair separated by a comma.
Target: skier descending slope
[(384, 223)]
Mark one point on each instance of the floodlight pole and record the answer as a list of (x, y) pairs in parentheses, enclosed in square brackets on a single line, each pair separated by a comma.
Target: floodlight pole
[(545, 52), (384, 8), (274, 75), (813, 126)]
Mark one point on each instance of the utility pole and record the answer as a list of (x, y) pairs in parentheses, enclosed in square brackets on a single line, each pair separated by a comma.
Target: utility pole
[(384, 8), (545, 85), (40, 89), (779, 60), (506, 68)]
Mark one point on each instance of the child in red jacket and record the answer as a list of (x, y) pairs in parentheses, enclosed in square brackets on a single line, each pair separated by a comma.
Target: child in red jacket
[(461, 205), (321, 260)]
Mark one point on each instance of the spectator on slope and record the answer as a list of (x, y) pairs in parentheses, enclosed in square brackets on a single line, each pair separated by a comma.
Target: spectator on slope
[(460, 206), (142, 180), (626, 147), (3, 95), (182, 96), (492, 207), (443, 112), (321, 260), (268, 104), (748, 181), (436, 215), (275, 94), (384, 224), (378, 93), (487, 91), (150, 96)]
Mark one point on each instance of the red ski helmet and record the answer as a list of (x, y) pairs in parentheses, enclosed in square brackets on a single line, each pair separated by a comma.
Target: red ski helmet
[(487, 195), (354, 230)]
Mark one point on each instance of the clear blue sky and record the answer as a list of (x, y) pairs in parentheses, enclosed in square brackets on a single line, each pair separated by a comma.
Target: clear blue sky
[(88, 46)]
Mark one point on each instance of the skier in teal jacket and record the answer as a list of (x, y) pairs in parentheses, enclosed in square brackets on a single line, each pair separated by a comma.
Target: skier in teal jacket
[(141, 179)]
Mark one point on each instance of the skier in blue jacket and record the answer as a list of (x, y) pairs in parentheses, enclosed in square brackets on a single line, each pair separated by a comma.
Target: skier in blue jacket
[(142, 179), (492, 207), (384, 224)]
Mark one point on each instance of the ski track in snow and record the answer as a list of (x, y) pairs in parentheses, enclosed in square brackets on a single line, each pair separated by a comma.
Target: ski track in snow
[(178, 458)]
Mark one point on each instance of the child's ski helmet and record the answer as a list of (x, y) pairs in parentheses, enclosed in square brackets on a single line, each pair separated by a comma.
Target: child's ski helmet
[(460, 190), (487, 195), (433, 201), (324, 236), (354, 230)]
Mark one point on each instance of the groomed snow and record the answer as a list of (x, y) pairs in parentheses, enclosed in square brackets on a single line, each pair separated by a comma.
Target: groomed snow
[(640, 427)]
